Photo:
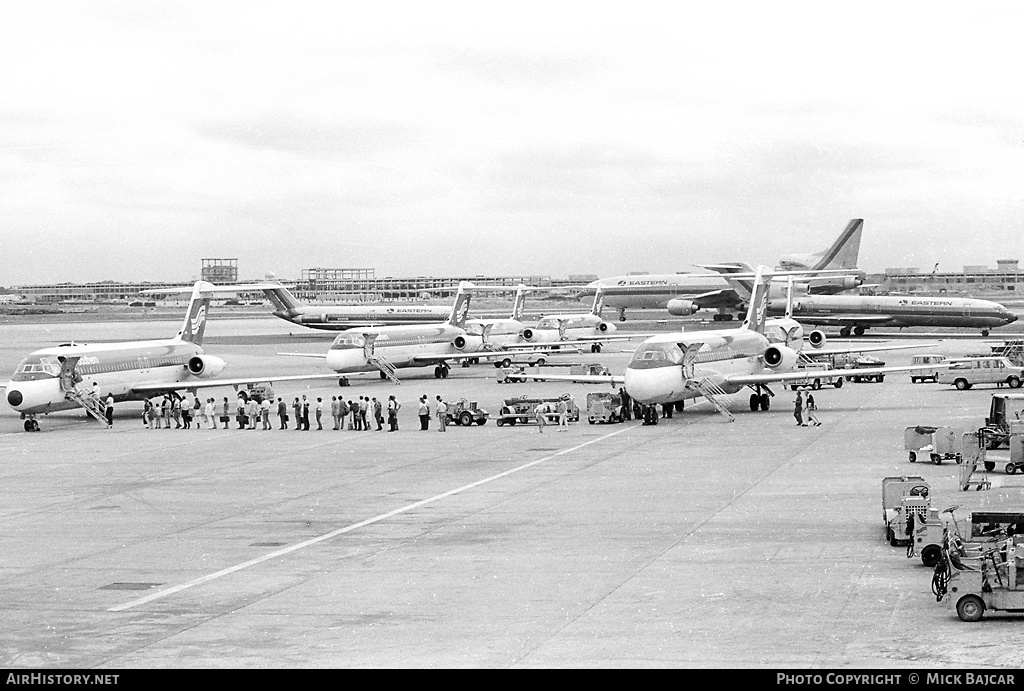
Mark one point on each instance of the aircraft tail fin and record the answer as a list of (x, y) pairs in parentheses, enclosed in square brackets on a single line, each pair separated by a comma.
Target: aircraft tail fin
[(757, 310), (520, 303), (845, 251), (460, 308), (195, 316), (282, 299), (598, 301)]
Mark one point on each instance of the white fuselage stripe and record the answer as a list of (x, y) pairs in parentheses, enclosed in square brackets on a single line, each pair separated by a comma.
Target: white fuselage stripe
[(347, 529)]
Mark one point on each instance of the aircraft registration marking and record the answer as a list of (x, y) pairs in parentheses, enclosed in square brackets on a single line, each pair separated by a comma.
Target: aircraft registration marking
[(349, 528)]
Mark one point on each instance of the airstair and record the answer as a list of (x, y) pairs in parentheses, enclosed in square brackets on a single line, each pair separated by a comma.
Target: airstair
[(715, 395), (384, 365), (93, 405)]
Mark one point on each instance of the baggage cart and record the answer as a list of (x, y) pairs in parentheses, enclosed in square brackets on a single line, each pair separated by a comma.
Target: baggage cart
[(936, 444)]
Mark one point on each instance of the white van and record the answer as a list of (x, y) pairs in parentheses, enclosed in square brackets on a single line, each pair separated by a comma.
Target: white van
[(924, 374), (967, 372)]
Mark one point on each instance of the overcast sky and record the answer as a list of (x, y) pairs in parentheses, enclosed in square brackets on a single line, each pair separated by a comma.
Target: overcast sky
[(539, 138)]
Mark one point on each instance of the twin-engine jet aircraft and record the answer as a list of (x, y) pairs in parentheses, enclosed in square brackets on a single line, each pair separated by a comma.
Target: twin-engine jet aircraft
[(339, 317), (61, 378), (676, 367)]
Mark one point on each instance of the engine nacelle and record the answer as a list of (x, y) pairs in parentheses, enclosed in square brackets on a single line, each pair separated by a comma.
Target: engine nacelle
[(205, 366), (459, 342), (780, 357), (602, 327), (528, 334), (816, 338), (836, 284), (681, 308)]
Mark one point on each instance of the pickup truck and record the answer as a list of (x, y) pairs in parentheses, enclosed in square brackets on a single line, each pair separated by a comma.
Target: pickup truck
[(967, 372), (817, 382)]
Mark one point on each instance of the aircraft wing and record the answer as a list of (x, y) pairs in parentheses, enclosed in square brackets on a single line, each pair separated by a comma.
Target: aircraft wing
[(726, 297), (767, 378), (322, 356), (611, 379), (862, 349), (497, 354), (164, 387)]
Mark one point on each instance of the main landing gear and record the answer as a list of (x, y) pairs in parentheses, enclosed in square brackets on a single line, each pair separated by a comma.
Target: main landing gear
[(761, 400), (441, 371), (857, 331)]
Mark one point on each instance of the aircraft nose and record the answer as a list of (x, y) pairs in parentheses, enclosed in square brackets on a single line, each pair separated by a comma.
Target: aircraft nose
[(14, 398), (1010, 317)]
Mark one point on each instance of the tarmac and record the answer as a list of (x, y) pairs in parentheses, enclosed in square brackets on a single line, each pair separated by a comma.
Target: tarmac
[(693, 543)]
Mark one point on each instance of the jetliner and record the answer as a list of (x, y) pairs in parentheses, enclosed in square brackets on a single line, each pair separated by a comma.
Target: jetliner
[(337, 317), (683, 294), (857, 313), (675, 367), (389, 348), (573, 329), (49, 380)]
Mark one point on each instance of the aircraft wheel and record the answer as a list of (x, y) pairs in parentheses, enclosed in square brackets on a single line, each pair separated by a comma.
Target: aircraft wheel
[(844, 332), (984, 332), (970, 608), (444, 373), (858, 331), (766, 401), (596, 348), (755, 401), (680, 406), (31, 426), (1010, 469), (437, 373), (913, 457)]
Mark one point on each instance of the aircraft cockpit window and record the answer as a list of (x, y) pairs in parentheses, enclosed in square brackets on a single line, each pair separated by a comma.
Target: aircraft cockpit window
[(37, 368), (349, 341), (475, 329)]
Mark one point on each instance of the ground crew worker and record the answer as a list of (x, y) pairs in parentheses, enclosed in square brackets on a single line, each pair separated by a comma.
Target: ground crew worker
[(110, 409), (541, 412), (319, 412), (798, 409), (563, 415), (335, 410), (626, 404), (442, 414)]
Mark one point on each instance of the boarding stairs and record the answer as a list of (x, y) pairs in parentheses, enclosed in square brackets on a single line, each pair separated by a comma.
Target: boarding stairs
[(385, 367), (93, 405), (1013, 350), (715, 395)]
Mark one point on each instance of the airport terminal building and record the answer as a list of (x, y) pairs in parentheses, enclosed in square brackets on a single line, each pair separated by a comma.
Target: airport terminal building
[(972, 279)]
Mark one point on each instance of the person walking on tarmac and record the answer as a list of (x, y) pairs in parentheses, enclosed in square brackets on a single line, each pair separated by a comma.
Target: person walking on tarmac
[(627, 405), (541, 412), (798, 409), (809, 411), (109, 411)]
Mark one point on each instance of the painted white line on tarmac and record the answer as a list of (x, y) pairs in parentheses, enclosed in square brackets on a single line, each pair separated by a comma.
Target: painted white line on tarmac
[(347, 529)]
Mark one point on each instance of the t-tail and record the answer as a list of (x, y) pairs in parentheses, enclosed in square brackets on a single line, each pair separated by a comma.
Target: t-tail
[(845, 251), (460, 309), (285, 303), (757, 310), (195, 317), (520, 303)]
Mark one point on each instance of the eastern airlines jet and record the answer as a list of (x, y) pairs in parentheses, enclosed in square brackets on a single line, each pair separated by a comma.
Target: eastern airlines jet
[(684, 294), (339, 317), (54, 379), (675, 367)]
